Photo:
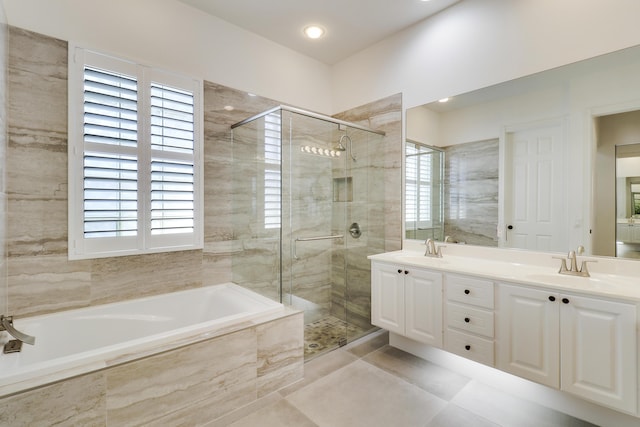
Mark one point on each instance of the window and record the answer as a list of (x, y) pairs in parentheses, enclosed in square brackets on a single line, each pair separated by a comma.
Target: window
[(422, 180), (272, 173), (134, 158)]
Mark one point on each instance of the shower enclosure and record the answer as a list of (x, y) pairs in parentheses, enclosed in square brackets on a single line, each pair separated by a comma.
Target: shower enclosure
[(308, 207)]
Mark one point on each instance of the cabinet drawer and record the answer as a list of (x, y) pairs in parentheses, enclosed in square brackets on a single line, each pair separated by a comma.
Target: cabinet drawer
[(470, 319), (470, 291), (469, 346)]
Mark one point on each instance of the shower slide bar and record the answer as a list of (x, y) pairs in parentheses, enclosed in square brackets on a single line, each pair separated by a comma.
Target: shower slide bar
[(309, 239)]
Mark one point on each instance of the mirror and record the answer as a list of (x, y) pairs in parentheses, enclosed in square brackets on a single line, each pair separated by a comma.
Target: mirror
[(524, 166), (628, 201), (424, 192)]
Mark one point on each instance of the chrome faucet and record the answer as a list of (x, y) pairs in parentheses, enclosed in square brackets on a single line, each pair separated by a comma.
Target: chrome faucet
[(6, 324), (573, 270), (431, 250)]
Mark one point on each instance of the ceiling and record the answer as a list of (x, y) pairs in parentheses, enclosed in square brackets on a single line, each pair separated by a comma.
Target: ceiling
[(351, 25)]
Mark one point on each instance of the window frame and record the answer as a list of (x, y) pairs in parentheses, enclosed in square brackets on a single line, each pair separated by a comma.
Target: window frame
[(144, 242)]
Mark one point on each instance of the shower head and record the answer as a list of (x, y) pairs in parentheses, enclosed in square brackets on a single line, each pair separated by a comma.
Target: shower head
[(340, 147)]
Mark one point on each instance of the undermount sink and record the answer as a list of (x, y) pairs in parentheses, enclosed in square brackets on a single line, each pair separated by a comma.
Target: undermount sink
[(562, 279), (417, 259)]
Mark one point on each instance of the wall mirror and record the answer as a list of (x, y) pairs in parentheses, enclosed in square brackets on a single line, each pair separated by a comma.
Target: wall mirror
[(628, 201), (424, 192), (531, 163)]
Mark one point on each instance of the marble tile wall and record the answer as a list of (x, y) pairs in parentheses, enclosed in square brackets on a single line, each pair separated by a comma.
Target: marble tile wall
[(192, 385), (377, 205), (3, 151), (471, 192), (41, 279)]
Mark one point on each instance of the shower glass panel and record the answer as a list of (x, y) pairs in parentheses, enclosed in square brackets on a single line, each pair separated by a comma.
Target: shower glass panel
[(308, 209)]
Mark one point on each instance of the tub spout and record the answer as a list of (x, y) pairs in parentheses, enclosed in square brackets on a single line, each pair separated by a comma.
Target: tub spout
[(6, 324)]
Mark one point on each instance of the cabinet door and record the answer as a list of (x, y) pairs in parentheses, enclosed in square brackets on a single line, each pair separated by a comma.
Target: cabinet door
[(623, 233), (387, 297), (635, 233), (528, 333), (599, 351), (423, 299)]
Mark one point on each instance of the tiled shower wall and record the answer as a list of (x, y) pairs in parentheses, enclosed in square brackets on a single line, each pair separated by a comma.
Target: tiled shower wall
[(471, 192), (41, 278), (3, 150), (376, 206)]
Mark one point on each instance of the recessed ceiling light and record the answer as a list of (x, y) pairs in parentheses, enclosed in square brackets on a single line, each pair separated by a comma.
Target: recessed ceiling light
[(443, 100), (314, 31), (229, 107)]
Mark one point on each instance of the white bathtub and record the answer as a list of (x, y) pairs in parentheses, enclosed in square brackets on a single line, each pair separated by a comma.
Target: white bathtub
[(78, 341)]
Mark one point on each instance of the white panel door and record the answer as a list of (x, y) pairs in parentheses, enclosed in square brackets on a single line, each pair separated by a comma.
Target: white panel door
[(533, 208), (528, 332), (387, 296), (599, 351), (423, 298)]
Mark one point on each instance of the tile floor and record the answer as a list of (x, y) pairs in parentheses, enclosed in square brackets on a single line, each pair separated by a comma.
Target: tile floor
[(325, 334), (370, 384)]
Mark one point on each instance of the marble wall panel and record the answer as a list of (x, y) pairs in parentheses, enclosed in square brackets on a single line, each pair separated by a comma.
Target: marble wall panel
[(47, 283), (471, 192), (3, 152), (37, 152), (79, 401), (117, 278), (386, 115), (280, 358), (377, 205), (236, 246), (221, 372)]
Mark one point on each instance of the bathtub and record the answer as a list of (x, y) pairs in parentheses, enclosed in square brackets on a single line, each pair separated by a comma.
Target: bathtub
[(79, 341)]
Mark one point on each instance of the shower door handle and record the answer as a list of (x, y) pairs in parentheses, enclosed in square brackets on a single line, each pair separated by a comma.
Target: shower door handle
[(309, 239)]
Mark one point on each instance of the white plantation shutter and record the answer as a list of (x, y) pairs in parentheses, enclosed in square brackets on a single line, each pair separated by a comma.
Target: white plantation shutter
[(172, 165), (418, 186), (110, 171), (272, 173), (134, 159)]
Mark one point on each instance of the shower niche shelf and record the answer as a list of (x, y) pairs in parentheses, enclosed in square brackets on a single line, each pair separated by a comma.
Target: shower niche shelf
[(343, 189)]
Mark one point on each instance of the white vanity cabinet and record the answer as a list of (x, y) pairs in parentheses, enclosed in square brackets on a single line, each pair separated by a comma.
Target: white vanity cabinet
[(583, 345), (628, 232), (469, 318), (407, 301)]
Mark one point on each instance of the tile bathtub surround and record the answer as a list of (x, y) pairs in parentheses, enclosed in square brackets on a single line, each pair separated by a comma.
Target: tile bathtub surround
[(191, 385)]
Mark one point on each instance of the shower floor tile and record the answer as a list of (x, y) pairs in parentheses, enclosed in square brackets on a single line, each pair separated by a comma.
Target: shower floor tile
[(327, 333)]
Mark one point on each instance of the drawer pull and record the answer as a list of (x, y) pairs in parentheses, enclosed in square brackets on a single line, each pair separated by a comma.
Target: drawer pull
[(552, 298), (399, 271), (467, 320), (406, 272), (565, 300), (467, 291), (467, 347)]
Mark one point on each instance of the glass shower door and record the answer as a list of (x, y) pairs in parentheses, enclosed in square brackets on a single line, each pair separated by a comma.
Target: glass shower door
[(313, 228)]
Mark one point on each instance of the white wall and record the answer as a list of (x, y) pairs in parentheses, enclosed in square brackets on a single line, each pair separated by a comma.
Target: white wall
[(174, 36), (477, 43)]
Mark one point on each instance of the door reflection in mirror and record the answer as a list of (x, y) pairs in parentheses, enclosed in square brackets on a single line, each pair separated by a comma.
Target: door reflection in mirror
[(628, 200)]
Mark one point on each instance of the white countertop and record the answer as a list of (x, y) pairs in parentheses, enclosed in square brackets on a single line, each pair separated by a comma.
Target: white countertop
[(610, 277)]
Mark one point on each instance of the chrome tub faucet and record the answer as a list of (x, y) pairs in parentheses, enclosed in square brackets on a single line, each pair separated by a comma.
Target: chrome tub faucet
[(6, 324)]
